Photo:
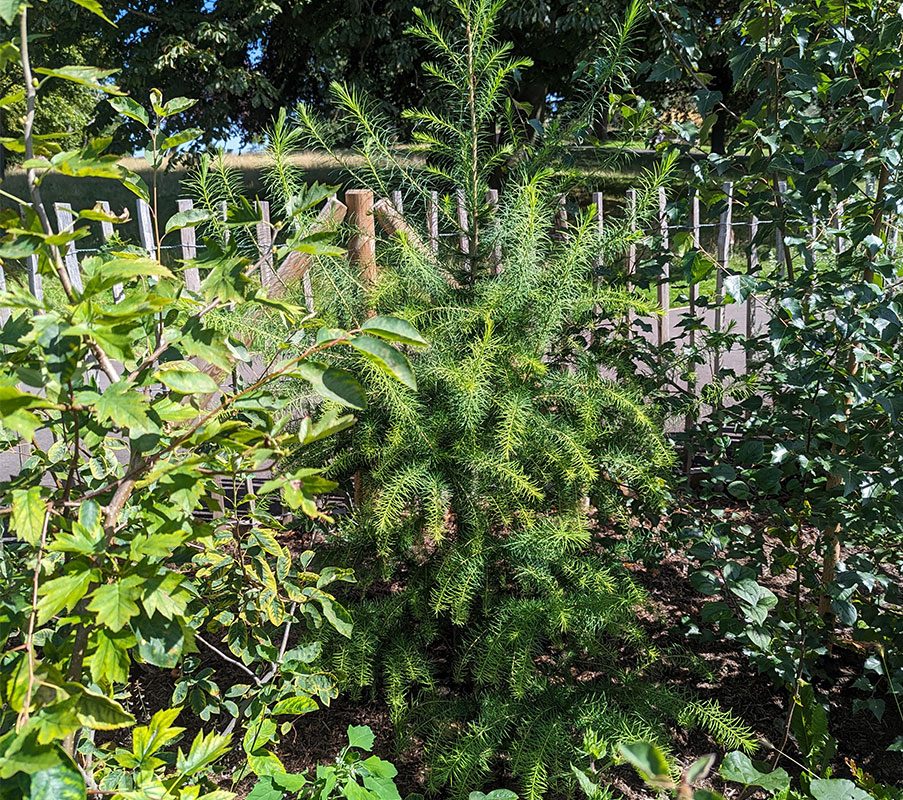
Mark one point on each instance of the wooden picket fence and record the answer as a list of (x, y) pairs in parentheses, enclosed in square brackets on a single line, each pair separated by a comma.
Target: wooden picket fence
[(363, 213)]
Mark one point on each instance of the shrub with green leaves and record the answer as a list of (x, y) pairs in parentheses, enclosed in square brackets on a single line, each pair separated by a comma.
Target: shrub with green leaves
[(491, 616), (817, 445), (122, 554)]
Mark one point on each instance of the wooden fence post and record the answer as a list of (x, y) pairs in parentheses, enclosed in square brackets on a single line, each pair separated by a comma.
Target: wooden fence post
[(188, 241), (664, 286), (146, 229), (362, 253), (362, 247), (65, 221)]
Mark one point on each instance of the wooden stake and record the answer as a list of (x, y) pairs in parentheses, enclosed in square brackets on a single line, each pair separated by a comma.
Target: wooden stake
[(362, 247)]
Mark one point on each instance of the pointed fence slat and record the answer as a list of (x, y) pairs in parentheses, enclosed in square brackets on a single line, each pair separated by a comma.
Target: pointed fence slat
[(35, 281), (189, 250), (631, 221), (224, 215), (146, 229), (106, 233), (631, 249), (492, 200), (106, 227), (265, 244), (780, 253), (463, 223), (599, 211), (839, 243), (65, 220), (306, 280), (663, 326), (695, 237), (752, 268), (725, 226), (561, 217), (695, 234)]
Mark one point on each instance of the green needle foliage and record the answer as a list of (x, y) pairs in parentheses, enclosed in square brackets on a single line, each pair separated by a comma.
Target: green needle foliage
[(490, 616)]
